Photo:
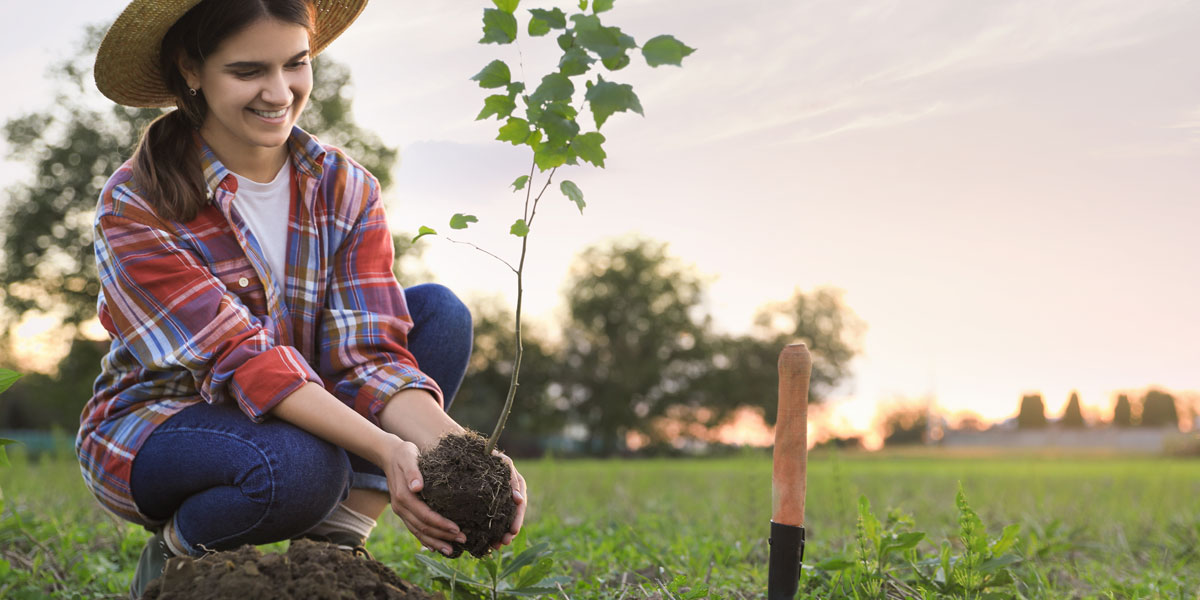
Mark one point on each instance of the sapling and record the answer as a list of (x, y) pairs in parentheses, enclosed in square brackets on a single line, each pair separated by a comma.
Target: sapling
[(465, 481)]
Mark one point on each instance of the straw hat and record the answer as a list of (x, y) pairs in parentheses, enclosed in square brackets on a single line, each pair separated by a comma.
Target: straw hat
[(127, 62)]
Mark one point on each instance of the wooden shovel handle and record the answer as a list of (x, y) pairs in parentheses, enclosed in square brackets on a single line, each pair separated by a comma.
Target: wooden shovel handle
[(788, 479)]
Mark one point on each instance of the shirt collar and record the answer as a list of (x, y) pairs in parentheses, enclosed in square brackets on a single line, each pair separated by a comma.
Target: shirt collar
[(307, 155)]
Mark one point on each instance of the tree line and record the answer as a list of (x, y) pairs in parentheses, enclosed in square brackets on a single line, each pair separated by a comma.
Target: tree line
[(1156, 408), (636, 348)]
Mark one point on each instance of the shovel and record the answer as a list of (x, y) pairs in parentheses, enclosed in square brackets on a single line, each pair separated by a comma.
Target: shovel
[(790, 467)]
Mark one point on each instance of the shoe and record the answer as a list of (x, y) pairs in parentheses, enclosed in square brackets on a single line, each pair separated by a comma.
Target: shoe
[(344, 540), (151, 564)]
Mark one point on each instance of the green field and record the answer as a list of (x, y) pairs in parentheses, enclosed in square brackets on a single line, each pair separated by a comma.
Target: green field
[(1088, 528)]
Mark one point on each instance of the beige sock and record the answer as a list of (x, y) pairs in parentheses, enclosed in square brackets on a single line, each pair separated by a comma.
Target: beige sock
[(345, 519), (171, 536)]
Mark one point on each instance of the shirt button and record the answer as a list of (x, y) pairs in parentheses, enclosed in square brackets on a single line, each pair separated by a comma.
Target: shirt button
[(243, 282)]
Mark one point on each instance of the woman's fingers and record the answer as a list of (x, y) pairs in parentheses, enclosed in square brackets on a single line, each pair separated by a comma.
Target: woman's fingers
[(404, 481), (521, 497), (429, 537)]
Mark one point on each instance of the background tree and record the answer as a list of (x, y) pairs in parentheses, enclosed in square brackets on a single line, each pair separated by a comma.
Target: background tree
[(1073, 415), (46, 254), (1122, 412), (905, 425), (1158, 410), (632, 340), (743, 369), (1033, 412)]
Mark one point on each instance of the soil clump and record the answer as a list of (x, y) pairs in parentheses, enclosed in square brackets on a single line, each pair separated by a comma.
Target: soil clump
[(309, 569), (470, 487)]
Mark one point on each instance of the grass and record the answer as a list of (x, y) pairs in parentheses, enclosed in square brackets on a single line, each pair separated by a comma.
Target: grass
[(1087, 527)]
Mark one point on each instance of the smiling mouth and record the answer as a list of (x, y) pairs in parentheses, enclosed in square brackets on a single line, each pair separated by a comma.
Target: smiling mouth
[(275, 114)]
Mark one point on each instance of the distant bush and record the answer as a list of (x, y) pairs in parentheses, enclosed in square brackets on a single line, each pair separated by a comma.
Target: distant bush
[(1158, 410), (1033, 412)]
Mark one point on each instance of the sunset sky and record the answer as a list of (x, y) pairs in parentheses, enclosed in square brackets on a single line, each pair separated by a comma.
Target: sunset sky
[(1007, 192)]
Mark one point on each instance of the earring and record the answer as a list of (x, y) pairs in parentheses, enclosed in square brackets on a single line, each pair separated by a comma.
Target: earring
[(191, 91)]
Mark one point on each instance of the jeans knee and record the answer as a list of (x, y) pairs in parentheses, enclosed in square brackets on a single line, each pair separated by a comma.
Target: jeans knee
[(312, 477), (443, 304)]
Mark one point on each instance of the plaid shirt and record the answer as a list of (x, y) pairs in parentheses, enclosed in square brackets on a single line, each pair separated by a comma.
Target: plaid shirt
[(194, 314)]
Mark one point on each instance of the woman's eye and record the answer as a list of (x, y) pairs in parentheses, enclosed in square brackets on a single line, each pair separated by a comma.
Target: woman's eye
[(245, 74), (298, 64)]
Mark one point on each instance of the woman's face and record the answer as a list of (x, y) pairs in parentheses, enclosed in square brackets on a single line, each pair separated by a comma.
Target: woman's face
[(256, 84)]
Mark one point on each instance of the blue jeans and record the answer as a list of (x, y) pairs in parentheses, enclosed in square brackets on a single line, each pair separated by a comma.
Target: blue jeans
[(221, 480)]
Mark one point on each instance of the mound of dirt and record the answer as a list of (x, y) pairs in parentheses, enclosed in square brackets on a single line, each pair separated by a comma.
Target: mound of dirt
[(470, 487), (308, 570)]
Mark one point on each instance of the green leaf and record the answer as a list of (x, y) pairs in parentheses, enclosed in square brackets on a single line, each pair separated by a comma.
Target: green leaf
[(996, 563), (461, 221), (519, 228), (572, 192), (535, 139), (527, 557), (554, 17), (535, 574), (605, 41), (499, 27), (519, 183), (587, 147), (1007, 538), (497, 104), (554, 87), (538, 27), (3, 455), (507, 6), (494, 75), (547, 156), (575, 61), (558, 121), (616, 63), (515, 88), (600, 6), (665, 50), (443, 571), (606, 98), (515, 131), (424, 231), (583, 4), (7, 378), (566, 40), (489, 563)]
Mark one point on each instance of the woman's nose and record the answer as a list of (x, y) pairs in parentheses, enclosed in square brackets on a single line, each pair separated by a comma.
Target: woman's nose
[(276, 91)]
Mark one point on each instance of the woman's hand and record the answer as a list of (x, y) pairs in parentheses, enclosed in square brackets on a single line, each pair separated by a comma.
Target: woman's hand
[(520, 495), (404, 481)]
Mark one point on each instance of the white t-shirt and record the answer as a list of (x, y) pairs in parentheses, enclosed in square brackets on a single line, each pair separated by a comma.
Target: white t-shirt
[(265, 208)]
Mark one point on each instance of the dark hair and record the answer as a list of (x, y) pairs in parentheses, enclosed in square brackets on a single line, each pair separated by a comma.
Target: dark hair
[(166, 165)]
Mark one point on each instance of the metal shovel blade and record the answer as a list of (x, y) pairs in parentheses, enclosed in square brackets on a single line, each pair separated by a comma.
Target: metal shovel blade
[(787, 554)]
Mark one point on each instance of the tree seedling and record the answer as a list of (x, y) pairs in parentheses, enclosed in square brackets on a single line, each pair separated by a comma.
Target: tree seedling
[(548, 124)]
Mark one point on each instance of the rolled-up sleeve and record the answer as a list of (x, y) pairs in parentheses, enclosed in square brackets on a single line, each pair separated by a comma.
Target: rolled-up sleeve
[(173, 314), (365, 319)]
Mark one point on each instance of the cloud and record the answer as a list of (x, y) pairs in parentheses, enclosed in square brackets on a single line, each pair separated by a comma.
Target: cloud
[(872, 121), (839, 68)]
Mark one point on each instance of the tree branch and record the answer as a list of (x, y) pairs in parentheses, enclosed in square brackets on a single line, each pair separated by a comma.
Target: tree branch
[(504, 262)]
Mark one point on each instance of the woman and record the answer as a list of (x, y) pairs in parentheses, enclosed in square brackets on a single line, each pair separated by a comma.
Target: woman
[(263, 379)]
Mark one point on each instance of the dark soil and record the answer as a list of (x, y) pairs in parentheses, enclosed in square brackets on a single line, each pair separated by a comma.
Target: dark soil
[(471, 488), (308, 570)]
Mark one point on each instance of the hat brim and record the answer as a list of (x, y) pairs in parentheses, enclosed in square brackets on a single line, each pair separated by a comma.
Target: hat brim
[(127, 63)]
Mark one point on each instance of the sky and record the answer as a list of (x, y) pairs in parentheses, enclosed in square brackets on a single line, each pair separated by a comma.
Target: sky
[(1007, 192)]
